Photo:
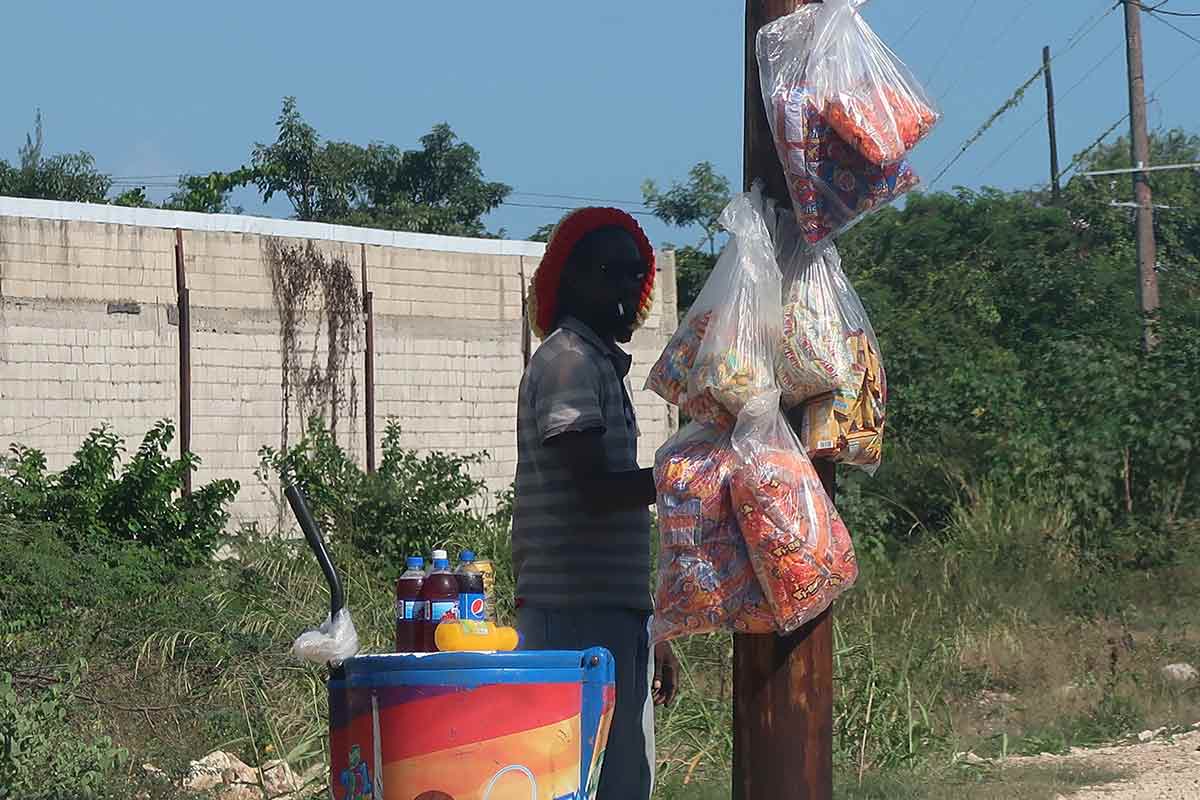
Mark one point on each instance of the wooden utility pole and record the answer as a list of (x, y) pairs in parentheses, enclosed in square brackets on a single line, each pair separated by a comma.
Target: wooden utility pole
[(368, 298), (184, 306), (782, 685), (1140, 147), (1055, 189)]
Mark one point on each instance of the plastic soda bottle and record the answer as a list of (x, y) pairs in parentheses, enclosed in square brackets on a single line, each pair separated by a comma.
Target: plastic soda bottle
[(489, 587), (471, 594), (436, 555), (439, 594), (409, 614)]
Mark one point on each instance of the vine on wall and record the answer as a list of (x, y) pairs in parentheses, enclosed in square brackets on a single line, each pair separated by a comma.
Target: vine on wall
[(317, 292)]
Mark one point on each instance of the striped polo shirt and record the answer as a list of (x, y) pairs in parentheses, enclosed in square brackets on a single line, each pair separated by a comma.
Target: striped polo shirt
[(563, 554)]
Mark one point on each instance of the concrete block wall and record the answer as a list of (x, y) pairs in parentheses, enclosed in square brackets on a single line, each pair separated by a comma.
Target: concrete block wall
[(88, 333), (237, 364)]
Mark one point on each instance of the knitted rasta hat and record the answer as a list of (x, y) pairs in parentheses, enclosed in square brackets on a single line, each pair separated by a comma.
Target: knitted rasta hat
[(542, 305)]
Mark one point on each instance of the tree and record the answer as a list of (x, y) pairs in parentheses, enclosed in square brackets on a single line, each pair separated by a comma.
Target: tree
[(298, 166), (700, 201), (67, 176), (1176, 228), (133, 198), (542, 234), (1011, 337), (439, 188), (210, 193)]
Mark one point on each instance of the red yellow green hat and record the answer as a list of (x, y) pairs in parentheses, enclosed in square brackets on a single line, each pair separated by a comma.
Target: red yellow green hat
[(542, 306)]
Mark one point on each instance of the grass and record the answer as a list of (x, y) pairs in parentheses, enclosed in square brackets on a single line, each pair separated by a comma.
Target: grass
[(991, 638), (1033, 782), (1014, 783)]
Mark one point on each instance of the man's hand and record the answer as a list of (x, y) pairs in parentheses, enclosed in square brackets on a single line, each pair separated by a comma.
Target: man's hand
[(666, 670), (603, 491)]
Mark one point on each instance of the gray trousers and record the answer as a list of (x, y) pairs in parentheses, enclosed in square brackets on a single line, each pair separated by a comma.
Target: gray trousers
[(628, 771)]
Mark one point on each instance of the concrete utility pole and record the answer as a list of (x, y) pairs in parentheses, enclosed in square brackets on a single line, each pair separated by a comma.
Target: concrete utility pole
[(1142, 196), (782, 685), (1055, 188)]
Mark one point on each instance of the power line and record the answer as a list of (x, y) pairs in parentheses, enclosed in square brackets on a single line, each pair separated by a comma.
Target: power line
[(1193, 165), (1083, 153), (912, 26), (1172, 25), (1042, 117), (1080, 33), (580, 198), (1012, 102), (1007, 30), (1158, 10), (165, 182), (951, 40), (563, 208), (1153, 95)]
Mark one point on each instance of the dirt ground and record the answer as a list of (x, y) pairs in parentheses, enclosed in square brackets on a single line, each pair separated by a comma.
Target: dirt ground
[(1164, 768)]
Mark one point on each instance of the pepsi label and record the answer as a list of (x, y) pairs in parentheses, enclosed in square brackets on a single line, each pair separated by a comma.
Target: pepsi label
[(471, 607), (438, 610), (409, 610)]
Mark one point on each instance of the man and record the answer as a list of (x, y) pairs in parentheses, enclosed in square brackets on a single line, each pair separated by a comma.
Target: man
[(581, 521), (356, 778)]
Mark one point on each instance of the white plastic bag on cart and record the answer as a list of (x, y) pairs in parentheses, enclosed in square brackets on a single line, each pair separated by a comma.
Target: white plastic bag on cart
[(329, 645)]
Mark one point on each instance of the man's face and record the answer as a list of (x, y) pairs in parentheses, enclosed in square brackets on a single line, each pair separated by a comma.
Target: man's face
[(610, 274)]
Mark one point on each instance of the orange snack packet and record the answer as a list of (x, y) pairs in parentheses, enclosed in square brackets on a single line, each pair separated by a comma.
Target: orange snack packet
[(705, 579), (798, 545), (882, 124)]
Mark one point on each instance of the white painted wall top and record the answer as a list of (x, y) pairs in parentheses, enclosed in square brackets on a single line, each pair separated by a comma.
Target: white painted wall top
[(266, 226)]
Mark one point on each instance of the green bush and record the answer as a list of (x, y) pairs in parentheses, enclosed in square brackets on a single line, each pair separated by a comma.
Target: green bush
[(46, 579), (409, 505), (41, 758), (97, 501)]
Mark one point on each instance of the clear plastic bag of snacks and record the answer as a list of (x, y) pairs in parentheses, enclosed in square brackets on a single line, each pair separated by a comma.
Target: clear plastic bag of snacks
[(723, 354), (870, 97), (844, 112), (800, 549), (829, 360), (705, 580)]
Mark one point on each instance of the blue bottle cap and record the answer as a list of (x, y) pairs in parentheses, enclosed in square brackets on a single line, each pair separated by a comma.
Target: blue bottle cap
[(441, 563), (415, 562), (467, 556)]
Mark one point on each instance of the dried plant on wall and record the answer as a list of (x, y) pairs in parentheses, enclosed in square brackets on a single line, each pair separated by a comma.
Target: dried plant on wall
[(315, 291)]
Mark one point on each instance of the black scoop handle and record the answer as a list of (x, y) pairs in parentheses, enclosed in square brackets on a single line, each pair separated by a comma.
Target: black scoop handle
[(312, 534)]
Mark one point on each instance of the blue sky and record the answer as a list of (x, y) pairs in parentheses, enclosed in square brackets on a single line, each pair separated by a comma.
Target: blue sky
[(561, 98)]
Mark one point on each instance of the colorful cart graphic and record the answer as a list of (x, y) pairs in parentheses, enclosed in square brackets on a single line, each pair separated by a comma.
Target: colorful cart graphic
[(471, 726)]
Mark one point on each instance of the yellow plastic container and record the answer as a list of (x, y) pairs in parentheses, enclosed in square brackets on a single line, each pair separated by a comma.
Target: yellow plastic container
[(470, 635)]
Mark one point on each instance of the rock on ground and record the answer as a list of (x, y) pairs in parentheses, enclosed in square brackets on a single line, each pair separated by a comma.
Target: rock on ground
[(1180, 673), (225, 777)]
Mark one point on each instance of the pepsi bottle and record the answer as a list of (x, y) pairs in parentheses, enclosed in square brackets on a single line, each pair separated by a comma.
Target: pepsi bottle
[(471, 596), (439, 598), (409, 610)]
